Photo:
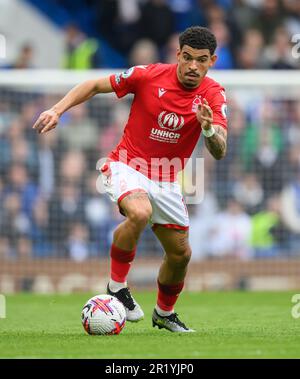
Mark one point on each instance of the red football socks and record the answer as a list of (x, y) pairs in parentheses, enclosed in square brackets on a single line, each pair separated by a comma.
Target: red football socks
[(120, 263), (168, 294)]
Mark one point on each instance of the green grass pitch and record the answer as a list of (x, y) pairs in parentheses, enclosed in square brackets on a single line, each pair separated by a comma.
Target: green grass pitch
[(228, 324)]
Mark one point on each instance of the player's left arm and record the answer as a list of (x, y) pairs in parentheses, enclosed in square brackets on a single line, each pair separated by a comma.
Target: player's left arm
[(217, 144), (215, 135)]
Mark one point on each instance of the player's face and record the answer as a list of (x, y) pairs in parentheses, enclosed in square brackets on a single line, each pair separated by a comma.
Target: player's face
[(193, 65)]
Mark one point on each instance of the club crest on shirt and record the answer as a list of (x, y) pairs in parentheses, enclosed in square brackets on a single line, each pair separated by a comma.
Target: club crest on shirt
[(170, 121), (196, 102)]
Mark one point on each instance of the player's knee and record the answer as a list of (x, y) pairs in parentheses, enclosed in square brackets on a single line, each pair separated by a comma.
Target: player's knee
[(140, 217), (181, 258), (186, 257)]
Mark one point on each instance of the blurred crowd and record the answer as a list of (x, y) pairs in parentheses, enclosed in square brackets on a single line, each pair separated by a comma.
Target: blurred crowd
[(251, 202), (50, 207), (251, 34), (49, 203)]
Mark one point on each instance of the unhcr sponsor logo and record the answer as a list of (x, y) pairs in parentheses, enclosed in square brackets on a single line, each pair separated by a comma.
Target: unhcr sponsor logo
[(164, 133), (170, 121)]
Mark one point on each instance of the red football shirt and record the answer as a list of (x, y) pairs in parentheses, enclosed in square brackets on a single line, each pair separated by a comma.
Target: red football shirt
[(162, 128)]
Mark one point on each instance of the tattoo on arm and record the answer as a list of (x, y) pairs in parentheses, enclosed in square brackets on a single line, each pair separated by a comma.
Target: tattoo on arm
[(216, 144)]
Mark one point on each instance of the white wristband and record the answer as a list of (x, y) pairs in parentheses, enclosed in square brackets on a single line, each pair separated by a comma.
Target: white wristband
[(209, 133)]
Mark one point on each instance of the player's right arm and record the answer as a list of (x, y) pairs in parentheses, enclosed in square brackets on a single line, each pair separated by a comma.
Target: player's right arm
[(48, 120)]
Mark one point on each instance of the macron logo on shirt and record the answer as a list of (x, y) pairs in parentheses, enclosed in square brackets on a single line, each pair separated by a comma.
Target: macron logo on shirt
[(161, 92)]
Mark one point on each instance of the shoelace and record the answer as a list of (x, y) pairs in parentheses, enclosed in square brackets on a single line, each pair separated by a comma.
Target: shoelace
[(174, 318), (125, 297)]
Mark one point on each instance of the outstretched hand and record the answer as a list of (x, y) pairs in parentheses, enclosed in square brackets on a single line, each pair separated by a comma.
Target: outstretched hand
[(205, 115), (47, 121)]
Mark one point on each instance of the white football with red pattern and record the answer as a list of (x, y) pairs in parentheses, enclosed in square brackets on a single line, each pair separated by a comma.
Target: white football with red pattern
[(103, 315)]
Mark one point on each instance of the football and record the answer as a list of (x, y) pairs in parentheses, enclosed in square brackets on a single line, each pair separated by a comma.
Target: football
[(103, 315)]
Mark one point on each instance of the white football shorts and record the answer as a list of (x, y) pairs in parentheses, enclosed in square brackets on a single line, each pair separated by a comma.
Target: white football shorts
[(168, 206)]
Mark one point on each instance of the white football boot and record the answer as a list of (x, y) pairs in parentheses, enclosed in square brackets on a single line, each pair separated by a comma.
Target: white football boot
[(134, 312)]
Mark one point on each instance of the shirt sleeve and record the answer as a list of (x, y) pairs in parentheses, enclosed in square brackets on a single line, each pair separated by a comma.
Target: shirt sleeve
[(217, 101), (128, 81)]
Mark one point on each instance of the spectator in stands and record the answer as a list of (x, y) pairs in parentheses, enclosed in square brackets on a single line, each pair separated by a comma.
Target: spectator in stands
[(143, 52), (5, 248), (26, 116), (47, 159), (84, 130), (65, 208), (24, 58), (243, 15), (278, 55), (269, 161), (225, 56), (218, 14), (292, 164), (293, 127), (118, 22), (6, 116), (269, 236), (170, 50), (227, 171), (15, 147), (254, 39), (187, 13), (248, 192), (113, 132), (214, 13), (15, 130), (1, 191), (230, 234), (157, 22), (21, 151), (23, 248), (97, 212), (290, 209), (14, 221), (81, 52), (263, 149), (20, 184), (202, 219), (105, 233), (269, 18), (13, 133), (249, 54), (77, 245), (248, 58), (72, 167), (292, 19), (39, 231)]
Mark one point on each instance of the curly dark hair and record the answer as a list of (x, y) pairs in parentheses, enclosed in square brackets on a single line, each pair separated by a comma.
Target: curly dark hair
[(198, 37)]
